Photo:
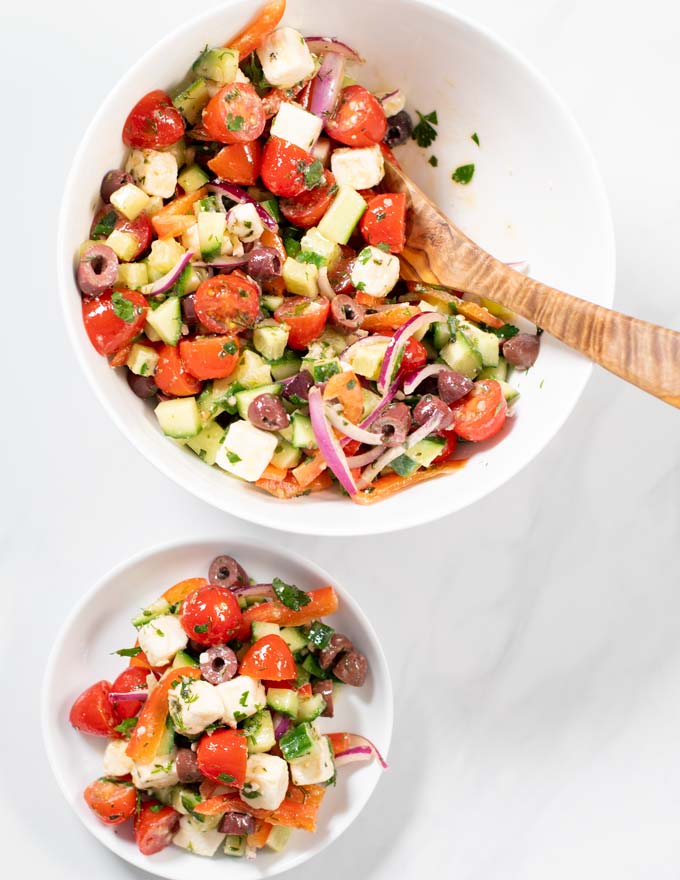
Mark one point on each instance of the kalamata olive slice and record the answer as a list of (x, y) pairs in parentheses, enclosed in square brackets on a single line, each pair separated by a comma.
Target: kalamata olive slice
[(112, 181), (142, 386), (264, 263), (392, 424), (452, 386), (336, 646), (325, 688), (97, 270), (399, 128), (218, 663), (226, 572), (187, 766), (351, 668), (522, 350), (189, 311), (427, 406), (339, 276), (346, 312), (237, 823), (297, 387), (267, 412)]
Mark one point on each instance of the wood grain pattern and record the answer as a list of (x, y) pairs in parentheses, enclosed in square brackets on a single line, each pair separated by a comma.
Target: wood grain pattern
[(438, 252)]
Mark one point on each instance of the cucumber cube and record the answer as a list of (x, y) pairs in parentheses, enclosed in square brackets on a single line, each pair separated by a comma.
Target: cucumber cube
[(367, 360), (340, 220), (243, 399), (286, 455), (179, 418), (271, 340), (283, 700), (310, 708), (123, 244), (509, 393), (315, 242), (218, 64), (487, 344), (319, 634), (301, 279), (303, 434), (165, 253), (297, 741), (278, 838), (260, 629), (142, 360), (462, 356), (211, 228), (192, 178), (259, 731), (251, 371), (206, 444), (235, 845), (292, 636), (191, 101), (132, 275), (130, 200), (285, 367), (166, 320)]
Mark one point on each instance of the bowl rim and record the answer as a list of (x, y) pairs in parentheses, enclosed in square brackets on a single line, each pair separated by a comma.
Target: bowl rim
[(49, 686), (255, 510)]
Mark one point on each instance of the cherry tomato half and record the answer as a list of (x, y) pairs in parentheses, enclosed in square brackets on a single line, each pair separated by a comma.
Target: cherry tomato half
[(211, 615), (112, 320), (223, 756), (227, 303), (111, 802), (482, 412), (153, 122), (269, 658), (93, 713), (131, 679), (235, 115), (155, 826), (306, 319), (384, 221), (359, 119), (171, 376), (288, 170), (209, 357), (306, 210), (238, 163)]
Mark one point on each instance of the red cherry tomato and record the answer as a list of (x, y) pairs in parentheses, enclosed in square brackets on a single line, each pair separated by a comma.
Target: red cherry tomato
[(227, 303), (93, 713), (306, 319), (222, 756), (155, 826), (153, 122), (171, 375), (141, 229), (306, 210), (482, 412), (111, 802), (210, 357), (384, 221), (450, 440), (211, 615), (269, 658), (287, 170), (108, 331), (238, 163), (131, 679), (359, 119), (235, 115), (414, 357)]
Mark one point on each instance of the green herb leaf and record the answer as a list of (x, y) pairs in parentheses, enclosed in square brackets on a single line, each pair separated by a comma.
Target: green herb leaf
[(128, 652), (312, 172), (226, 778), (249, 794), (423, 133), (105, 225), (310, 257), (156, 808), (233, 457), (253, 70), (463, 174), (507, 331), (244, 698), (126, 726), (124, 308), (234, 123), (475, 137), (289, 595), (228, 348), (201, 628), (434, 161)]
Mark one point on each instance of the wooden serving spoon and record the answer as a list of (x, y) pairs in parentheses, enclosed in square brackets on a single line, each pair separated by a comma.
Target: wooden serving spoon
[(437, 252)]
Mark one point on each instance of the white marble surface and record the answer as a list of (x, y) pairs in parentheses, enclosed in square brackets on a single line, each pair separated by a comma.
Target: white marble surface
[(538, 717)]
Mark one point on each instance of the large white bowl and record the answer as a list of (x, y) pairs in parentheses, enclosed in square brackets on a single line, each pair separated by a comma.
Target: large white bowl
[(536, 195), (100, 624)]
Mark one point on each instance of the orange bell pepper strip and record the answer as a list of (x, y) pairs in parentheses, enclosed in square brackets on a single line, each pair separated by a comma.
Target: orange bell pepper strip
[(441, 297), (474, 312), (180, 591), (387, 486), (260, 836), (257, 28), (150, 727), (345, 388), (299, 808), (178, 207), (289, 487), (389, 319), (365, 299), (322, 603), (173, 225), (228, 803), (272, 472), (309, 470)]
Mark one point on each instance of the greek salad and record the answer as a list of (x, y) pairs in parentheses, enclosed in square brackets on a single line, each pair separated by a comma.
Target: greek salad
[(243, 269), (214, 739)]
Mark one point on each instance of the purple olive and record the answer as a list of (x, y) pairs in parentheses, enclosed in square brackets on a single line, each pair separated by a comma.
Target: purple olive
[(297, 387), (325, 688), (97, 270), (452, 386), (187, 766), (142, 386), (218, 663), (392, 424), (522, 350), (399, 128), (189, 311), (264, 263), (112, 181), (347, 313), (237, 823), (428, 406), (225, 571), (267, 413)]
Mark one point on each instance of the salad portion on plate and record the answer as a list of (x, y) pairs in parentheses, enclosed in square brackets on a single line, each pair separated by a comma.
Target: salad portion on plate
[(243, 269), (213, 728)]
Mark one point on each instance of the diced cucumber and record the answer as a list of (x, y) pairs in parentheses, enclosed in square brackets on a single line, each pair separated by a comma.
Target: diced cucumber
[(315, 242), (179, 418), (292, 636), (302, 675), (191, 101), (278, 838), (206, 444), (192, 178), (319, 634), (441, 334), (509, 393), (371, 400), (310, 708), (303, 433), (462, 356), (323, 370), (165, 253), (334, 339), (216, 397), (142, 360), (499, 372), (420, 455), (317, 351), (301, 279), (251, 370), (166, 320), (167, 741), (259, 731), (286, 455), (153, 206), (366, 360), (235, 845), (211, 228), (271, 206), (245, 398), (155, 609), (487, 344), (130, 200), (218, 63), (132, 275), (123, 244), (271, 301), (311, 667), (184, 799), (260, 629), (283, 700), (181, 659), (271, 340), (297, 741), (340, 220)]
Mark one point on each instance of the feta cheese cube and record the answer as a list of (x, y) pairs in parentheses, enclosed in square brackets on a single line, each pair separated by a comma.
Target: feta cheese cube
[(392, 102), (316, 766), (153, 171), (116, 762), (201, 843), (130, 200), (161, 638), (241, 697), (375, 272), (193, 705), (359, 167), (266, 782), (246, 451), (293, 123), (159, 773), (285, 58), (243, 222)]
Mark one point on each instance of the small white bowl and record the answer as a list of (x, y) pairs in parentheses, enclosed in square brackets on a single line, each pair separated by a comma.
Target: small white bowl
[(100, 624), (536, 195)]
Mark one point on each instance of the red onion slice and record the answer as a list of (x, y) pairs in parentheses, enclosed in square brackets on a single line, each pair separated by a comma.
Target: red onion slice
[(413, 380), (238, 194), (354, 432), (399, 340), (281, 724), (224, 262), (326, 85), (166, 282), (351, 756), (356, 743), (424, 431), (128, 696), (322, 45), (325, 288), (389, 456), (359, 461), (328, 444)]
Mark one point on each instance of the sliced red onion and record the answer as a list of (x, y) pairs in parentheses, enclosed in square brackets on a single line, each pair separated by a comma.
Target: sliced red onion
[(325, 288), (327, 84), (350, 756), (424, 431), (322, 45), (224, 262), (413, 380), (374, 469), (281, 724), (354, 432), (328, 443), (387, 397), (166, 282), (238, 194), (128, 696), (361, 742), (359, 461), (254, 591), (399, 340), (386, 97)]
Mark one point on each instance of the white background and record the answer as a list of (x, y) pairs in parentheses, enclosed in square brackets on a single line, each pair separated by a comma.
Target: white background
[(533, 639)]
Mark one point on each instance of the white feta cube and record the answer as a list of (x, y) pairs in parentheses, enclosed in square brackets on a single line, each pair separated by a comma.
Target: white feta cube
[(392, 102), (246, 451), (201, 843), (244, 222), (358, 167), (193, 705), (293, 123), (241, 697), (116, 762), (374, 271), (266, 782), (316, 766), (161, 638), (285, 58), (159, 773), (153, 171)]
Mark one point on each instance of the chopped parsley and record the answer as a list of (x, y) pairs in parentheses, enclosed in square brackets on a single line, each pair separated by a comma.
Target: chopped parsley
[(156, 808), (244, 698), (507, 331), (424, 133), (128, 652), (233, 457), (250, 793), (226, 778), (228, 348), (124, 308), (234, 123), (434, 161), (361, 287), (364, 256), (105, 224), (475, 137), (312, 172), (201, 628), (253, 70), (310, 257), (383, 246), (289, 595), (126, 726), (463, 174)]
